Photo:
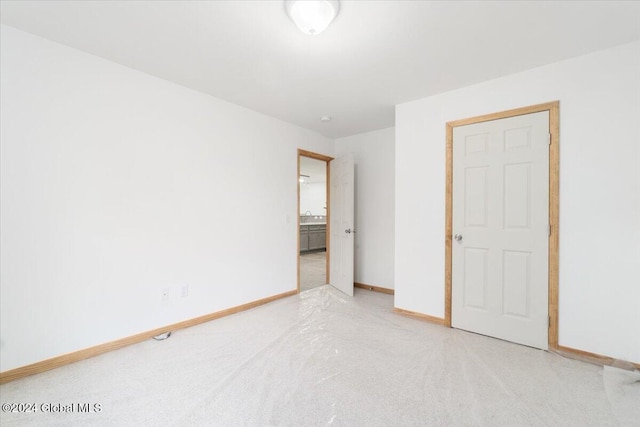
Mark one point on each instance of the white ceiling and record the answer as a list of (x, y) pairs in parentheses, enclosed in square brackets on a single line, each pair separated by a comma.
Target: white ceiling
[(376, 53)]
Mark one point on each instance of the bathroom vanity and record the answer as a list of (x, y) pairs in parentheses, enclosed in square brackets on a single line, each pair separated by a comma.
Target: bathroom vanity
[(313, 234)]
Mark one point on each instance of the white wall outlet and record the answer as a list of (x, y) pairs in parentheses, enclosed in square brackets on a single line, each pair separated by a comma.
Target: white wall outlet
[(184, 291), (164, 295)]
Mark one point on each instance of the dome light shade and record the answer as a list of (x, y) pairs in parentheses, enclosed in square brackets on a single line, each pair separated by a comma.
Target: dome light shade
[(312, 16)]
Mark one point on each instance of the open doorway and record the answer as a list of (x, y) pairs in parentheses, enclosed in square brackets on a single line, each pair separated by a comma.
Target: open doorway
[(313, 229)]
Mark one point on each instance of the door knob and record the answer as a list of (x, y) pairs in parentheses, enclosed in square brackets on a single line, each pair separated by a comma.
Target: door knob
[(458, 237)]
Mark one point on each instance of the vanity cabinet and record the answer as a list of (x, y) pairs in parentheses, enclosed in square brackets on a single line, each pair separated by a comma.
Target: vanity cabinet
[(313, 237), (317, 237), (304, 238)]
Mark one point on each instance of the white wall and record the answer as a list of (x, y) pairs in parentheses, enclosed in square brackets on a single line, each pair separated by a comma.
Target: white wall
[(313, 198), (373, 154), (599, 98), (116, 184)]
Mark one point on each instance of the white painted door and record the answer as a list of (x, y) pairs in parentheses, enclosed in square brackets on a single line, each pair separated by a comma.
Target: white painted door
[(341, 223), (500, 228)]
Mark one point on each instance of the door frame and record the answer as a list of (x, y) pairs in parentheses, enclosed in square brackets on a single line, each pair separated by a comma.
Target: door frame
[(326, 159), (554, 168)]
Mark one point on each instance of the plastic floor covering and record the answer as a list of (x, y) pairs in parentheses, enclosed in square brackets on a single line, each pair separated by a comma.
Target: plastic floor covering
[(322, 358)]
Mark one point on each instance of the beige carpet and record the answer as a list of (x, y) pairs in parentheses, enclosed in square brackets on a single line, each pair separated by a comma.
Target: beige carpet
[(321, 358)]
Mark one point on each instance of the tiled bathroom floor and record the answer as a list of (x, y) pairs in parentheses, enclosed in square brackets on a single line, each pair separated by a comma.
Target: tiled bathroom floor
[(313, 270)]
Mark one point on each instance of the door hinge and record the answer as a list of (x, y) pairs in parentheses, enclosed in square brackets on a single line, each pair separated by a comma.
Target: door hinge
[(549, 138), (549, 321), (549, 229)]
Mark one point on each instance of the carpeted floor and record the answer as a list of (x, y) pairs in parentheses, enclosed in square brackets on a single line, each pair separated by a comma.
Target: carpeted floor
[(322, 358)]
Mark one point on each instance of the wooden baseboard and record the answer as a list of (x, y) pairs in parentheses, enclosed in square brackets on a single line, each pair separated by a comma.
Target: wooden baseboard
[(596, 359), (571, 353), (374, 288), (86, 353), (419, 316)]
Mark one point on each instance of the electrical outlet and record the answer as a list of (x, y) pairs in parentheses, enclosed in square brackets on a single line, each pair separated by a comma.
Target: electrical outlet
[(164, 295), (184, 291)]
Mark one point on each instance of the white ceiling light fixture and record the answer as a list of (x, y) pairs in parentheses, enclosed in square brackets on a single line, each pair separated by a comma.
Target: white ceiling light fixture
[(312, 16)]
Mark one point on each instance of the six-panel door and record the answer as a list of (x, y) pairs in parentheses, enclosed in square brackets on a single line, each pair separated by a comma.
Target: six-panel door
[(500, 223)]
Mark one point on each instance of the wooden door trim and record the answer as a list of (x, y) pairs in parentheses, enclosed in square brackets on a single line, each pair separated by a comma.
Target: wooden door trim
[(326, 159), (554, 167)]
